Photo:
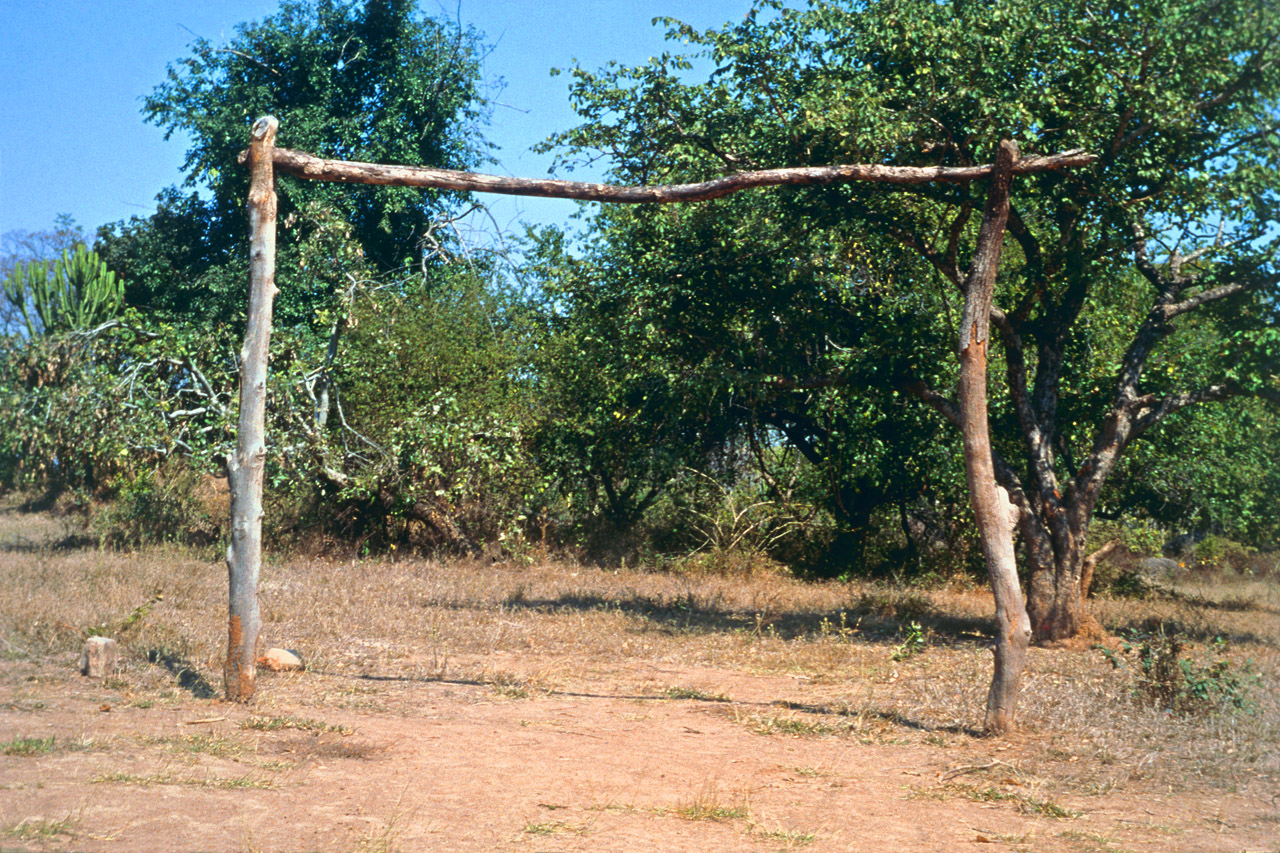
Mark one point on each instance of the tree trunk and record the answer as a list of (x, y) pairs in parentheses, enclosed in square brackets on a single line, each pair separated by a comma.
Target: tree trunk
[(992, 510), (245, 469), (1055, 604), (1060, 577)]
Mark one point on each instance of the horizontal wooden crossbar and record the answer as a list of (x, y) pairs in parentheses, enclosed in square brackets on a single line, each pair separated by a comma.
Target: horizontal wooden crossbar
[(308, 167)]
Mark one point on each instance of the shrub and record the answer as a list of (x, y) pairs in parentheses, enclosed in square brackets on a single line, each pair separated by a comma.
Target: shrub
[(1162, 677), (158, 506), (1219, 552)]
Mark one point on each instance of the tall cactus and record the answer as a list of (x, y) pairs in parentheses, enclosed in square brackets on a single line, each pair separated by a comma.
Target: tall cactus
[(24, 279), (75, 293)]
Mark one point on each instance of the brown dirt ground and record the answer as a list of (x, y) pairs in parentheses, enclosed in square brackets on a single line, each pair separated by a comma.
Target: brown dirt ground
[(552, 745)]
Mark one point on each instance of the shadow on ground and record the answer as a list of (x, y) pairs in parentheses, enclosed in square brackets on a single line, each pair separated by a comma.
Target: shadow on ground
[(188, 678), (687, 614)]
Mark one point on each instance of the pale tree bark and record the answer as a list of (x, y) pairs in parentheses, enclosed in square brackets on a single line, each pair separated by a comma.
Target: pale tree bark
[(308, 167), (245, 468), (992, 510)]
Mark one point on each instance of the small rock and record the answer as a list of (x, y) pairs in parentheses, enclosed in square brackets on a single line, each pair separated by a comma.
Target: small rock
[(1158, 568), (100, 656), (281, 660)]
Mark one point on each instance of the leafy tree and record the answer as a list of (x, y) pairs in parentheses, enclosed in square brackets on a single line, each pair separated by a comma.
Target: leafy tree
[(1178, 98), (426, 444), (93, 408), (672, 351), (621, 422), (373, 81), (1211, 471)]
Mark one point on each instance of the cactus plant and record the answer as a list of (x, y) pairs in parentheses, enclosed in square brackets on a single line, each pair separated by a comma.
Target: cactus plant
[(75, 293)]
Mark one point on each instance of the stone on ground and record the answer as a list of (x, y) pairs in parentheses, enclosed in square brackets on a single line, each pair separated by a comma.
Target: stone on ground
[(281, 660), (100, 656)]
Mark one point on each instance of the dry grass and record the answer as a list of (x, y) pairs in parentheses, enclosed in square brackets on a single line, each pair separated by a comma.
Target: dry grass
[(367, 626)]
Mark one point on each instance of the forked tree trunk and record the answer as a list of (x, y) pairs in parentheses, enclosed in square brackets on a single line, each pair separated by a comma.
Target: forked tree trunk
[(1060, 581), (245, 469), (992, 510), (1055, 604)]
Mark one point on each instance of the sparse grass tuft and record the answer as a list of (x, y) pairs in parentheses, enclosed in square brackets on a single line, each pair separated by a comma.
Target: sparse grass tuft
[(43, 829), (790, 839), (776, 724), (305, 724), (693, 693), (28, 746), (705, 811), (509, 686), (213, 745), (552, 827), (811, 772), (228, 784), (991, 794)]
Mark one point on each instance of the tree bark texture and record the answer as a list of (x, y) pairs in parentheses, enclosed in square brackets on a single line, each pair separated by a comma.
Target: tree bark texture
[(1091, 564), (245, 468), (301, 165), (992, 509)]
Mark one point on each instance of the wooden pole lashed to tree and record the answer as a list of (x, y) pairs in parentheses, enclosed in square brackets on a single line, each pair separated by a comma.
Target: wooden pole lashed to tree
[(244, 556), (991, 507), (245, 468)]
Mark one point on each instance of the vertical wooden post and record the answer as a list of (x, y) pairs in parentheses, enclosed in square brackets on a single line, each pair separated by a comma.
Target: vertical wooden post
[(991, 507), (245, 469)]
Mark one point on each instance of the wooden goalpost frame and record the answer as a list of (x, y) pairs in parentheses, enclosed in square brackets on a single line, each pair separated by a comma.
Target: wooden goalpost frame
[(991, 508)]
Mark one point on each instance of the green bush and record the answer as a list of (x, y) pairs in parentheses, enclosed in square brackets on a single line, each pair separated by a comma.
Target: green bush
[(1219, 552), (1162, 677), (160, 506)]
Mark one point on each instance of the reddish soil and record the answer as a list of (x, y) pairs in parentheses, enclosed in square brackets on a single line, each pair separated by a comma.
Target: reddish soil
[(611, 763), (546, 707)]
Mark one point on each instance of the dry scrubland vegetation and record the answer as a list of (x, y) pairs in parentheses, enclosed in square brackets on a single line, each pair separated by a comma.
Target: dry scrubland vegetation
[(805, 691)]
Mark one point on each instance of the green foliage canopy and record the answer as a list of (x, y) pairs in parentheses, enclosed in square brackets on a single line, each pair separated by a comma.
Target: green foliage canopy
[(1176, 219), (373, 81)]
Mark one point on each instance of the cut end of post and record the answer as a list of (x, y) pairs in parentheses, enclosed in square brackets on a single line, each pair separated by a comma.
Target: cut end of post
[(264, 126)]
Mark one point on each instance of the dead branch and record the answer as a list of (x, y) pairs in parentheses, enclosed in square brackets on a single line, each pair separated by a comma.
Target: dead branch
[(308, 167)]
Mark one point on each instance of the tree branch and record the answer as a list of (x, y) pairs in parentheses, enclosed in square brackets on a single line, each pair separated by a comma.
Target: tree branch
[(940, 404)]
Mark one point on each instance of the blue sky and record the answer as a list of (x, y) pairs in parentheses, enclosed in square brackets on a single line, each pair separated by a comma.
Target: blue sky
[(72, 76)]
